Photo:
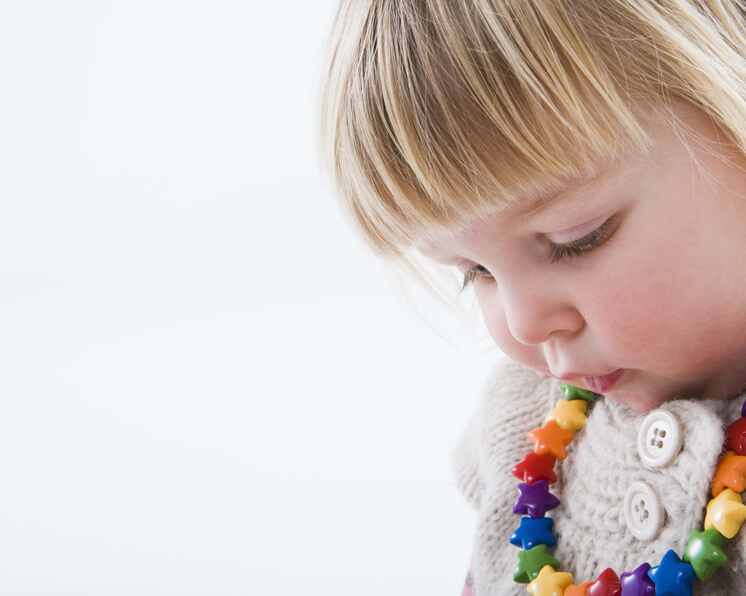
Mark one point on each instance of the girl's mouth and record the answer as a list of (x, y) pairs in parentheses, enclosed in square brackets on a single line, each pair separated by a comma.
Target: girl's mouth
[(602, 384)]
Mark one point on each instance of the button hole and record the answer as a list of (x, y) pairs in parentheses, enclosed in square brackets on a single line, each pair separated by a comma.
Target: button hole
[(663, 434)]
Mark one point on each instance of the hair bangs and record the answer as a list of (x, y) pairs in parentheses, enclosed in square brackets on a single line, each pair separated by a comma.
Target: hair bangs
[(437, 111)]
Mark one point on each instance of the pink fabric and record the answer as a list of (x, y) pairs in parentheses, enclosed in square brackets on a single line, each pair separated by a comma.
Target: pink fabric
[(467, 591)]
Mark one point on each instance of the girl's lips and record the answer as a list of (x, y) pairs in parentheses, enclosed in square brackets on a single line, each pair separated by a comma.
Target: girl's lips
[(602, 384)]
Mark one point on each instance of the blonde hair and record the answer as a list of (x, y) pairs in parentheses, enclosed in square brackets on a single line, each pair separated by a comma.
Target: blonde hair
[(435, 110)]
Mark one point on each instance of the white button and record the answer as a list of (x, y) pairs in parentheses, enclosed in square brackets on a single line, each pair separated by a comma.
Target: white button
[(659, 439), (643, 511)]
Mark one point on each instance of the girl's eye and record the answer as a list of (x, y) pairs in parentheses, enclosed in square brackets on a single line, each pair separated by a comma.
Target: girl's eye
[(569, 250), (473, 273), (586, 244)]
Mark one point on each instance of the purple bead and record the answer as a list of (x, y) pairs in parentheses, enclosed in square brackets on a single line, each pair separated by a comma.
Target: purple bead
[(637, 582), (535, 499), (743, 409)]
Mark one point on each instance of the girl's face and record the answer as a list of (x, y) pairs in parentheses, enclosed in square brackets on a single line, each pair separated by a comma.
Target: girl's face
[(632, 283)]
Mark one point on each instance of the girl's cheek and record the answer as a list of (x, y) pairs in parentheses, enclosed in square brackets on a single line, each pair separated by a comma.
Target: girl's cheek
[(492, 315), (628, 313)]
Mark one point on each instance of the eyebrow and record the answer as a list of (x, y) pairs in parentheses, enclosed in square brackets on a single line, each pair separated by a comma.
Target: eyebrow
[(528, 208)]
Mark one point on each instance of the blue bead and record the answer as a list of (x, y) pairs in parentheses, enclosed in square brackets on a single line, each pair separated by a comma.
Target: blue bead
[(672, 577), (533, 531)]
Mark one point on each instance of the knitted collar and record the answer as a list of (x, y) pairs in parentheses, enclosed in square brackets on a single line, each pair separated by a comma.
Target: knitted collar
[(673, 576)]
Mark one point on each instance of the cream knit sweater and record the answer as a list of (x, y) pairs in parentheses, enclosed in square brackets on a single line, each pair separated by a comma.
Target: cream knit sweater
[(601, 463)]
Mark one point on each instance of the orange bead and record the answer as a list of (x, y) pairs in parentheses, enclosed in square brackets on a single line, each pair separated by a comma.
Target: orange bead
[(579, 590), (551, 439), (731, 473)]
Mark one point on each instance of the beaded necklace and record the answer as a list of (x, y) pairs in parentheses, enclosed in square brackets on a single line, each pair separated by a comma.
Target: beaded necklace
[(673, 576)]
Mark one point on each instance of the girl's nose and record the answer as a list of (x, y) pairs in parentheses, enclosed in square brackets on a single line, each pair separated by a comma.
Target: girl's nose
[(534, 311)]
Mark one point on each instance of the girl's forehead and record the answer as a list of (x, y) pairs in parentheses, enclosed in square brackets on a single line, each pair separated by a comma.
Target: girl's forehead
[(525, 205), (566, 197), (523, 208), (554, 211)]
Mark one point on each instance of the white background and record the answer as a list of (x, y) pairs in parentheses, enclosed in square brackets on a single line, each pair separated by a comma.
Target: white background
[(208, 385)]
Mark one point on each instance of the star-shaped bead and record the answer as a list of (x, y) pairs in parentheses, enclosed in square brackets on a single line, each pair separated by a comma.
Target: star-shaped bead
[(535, 499), (725, 513), (735, 435), (731, 473), (570, 415), (551, 439), (533, 531), (672, 577), (579, 590), (637, 582), (607, 584), (705, 552), (534, 467), (571, 392), (549, 583), (530, 562)]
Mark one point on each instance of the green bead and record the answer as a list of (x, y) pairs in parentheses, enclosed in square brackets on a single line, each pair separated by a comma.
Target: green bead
[(572, 392), (704, 552), (530, 562)]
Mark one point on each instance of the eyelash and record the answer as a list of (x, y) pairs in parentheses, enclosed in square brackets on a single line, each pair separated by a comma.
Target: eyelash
[(584, 245), (571, 250)]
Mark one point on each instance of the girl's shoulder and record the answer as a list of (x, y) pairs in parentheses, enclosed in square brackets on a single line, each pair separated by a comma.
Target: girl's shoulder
[(514, 400), (515, 387)]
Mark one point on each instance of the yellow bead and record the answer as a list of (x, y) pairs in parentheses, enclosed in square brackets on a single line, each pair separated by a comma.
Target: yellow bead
[(726, 513), (549, 582), (569, 415)]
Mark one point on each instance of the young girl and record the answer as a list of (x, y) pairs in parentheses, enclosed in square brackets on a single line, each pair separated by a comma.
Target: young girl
[(583, 165)]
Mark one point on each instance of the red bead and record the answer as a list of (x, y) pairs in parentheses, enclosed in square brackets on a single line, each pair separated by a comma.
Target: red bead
[(735, 436), (535, 467), (608, 584)]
